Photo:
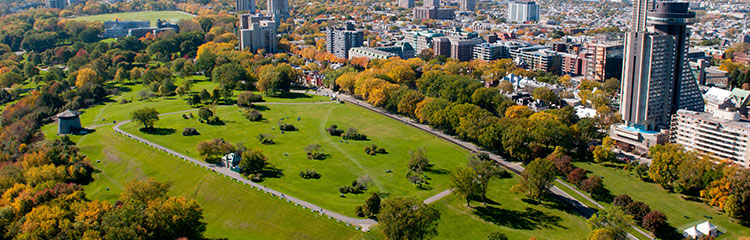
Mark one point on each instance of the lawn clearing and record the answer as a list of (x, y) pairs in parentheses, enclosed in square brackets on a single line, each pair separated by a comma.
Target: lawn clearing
[(347, 160), (152, 16), (680, 213), (507, 213), (231, 209)]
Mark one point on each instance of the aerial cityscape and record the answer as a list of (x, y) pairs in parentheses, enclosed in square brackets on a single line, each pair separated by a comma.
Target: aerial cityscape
[(375, 119)]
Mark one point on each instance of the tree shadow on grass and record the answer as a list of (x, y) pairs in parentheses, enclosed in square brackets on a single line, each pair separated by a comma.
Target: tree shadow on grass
[(158, 131), (529, 219), (603, 195), (291, 95), (260, 108), (669, 233)]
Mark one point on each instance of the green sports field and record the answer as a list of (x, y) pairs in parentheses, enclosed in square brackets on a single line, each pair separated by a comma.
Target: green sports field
[(152, 16)]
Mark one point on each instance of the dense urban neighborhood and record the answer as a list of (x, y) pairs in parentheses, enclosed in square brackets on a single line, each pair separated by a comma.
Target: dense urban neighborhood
[(375, 119)]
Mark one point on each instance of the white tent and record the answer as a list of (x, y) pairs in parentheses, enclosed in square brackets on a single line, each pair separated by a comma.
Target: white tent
[(707, 228), (692, 233)]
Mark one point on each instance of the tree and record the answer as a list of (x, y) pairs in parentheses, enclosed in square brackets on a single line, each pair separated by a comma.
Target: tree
[(464, 184), (603, 154), (246, 99), (408, 103), (211, 150), (143, 191), (175, 218), (655, 222), (205, 96), (638, 210), (485, 169), (536, 178), (545, 94), (665, 162), (253, 162), (622, 201), (229, 74), (592, 185), (518, 111), (146, 116), (505, 87), (408, 218), (418, 161), (205, 113), (371, 207), (612, 219), (86, 76), (601, 234), (516, 142)]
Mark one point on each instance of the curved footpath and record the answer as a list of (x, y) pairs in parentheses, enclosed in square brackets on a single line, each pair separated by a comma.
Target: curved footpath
[(578, 206), (364, 224)]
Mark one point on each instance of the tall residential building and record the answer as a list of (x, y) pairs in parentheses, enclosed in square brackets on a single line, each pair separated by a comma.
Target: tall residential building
[(467, 5), (59, 4), (432, 3), (605, 61), (421, 40), (243, 5), (656, 78), (257, 32), (523, 11), (340, 40), (406, 3), (279, 9)]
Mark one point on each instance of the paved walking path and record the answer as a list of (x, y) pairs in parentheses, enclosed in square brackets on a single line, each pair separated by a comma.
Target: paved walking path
[(516, 168), (438, 196), (364, 224)]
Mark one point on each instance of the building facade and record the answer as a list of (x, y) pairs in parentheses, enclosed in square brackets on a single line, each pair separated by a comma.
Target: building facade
[(722, 137), (406, 3), (434, 13), (279, 9), (656, 80), (605, 61), (259, 34), (467, 5), (431, 3), (340, 40), (523, 11), (245, 5), (370, 53), (117, 28)]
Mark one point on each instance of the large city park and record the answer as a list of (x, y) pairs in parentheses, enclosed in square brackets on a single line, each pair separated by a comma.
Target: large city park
[(234, 210)]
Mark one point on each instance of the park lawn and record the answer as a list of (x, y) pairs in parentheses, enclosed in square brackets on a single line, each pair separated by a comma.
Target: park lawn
[(347, 160), (508, 213), (232, 210), (680, 213), (152, 16)]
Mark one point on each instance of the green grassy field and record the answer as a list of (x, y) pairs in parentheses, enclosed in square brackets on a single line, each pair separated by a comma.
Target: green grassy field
[(235, 211), (507, 213), (170, 16), (347, 160), (681, 213)]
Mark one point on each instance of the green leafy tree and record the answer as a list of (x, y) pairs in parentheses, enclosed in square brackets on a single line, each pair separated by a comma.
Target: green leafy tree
[(536, 178), (516, 142), (371, 207), (665, 162), (545, 94), (419, 160), (486, 169), (253, 162), (464, 183), (612, 219), (408, 218), (146, 116)]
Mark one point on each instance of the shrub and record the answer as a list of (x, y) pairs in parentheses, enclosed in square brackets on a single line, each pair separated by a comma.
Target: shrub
[(205, 113), (309, 173), (246, 99), (334, 131), (352, 134), (622, 201), (345, 189), (374, 149), (287, 127), (253, 115), (359, 211), (314, 151), (265, 138), (214, 120), (190, 132)]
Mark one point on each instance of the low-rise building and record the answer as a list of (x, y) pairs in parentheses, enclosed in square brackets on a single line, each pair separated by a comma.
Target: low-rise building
[(117, 28), (370, 53), (434, 13)]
